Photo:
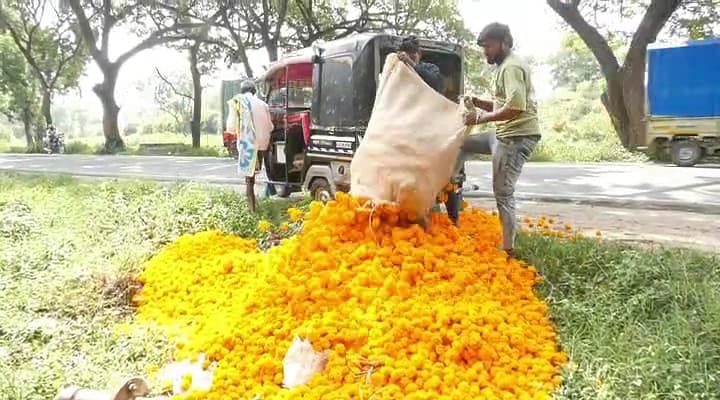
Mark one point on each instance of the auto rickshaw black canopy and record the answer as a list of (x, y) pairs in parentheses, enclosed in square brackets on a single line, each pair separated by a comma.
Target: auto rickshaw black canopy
[(346, 74)]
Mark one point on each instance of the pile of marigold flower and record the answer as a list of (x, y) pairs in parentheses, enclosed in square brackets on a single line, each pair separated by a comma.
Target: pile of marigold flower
[(405, 313), (549, 227)]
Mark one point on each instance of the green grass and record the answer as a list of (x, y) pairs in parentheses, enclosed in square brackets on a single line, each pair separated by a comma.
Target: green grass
[(638, 324), (184, 150), (177, 145), (67, 250)]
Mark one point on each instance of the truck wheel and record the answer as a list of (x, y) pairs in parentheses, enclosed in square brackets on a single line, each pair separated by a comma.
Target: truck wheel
[(685, 153), (320, 190)]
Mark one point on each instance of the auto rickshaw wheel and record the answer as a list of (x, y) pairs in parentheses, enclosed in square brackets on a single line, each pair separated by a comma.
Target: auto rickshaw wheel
[(320, 190)]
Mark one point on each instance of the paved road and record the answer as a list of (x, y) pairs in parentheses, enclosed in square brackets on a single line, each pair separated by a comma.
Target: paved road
[(628, 185)]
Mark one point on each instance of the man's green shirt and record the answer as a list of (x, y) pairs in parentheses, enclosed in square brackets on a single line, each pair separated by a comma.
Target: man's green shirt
[(513, 87)]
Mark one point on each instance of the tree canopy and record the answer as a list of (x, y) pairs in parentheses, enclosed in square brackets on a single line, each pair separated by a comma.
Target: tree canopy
[(596, 21)]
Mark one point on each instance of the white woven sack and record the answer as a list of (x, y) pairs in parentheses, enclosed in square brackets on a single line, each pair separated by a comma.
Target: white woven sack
[(411, 143)]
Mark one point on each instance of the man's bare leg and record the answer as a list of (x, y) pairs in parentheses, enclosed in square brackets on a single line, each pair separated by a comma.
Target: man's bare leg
[(250, 192)]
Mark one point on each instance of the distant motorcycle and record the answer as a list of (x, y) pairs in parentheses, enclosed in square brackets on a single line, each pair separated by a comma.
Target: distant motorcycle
[(54, 141)]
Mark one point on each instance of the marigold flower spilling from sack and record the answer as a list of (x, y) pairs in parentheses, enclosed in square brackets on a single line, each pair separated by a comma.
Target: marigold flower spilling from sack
[(406, 314)]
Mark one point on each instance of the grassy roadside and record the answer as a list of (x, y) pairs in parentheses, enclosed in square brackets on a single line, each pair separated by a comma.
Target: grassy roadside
[(66, 252), (638, 324), (161, 144), (179, 150)]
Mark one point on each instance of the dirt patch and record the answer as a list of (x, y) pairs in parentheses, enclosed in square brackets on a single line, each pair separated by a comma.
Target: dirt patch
[(648, 227)]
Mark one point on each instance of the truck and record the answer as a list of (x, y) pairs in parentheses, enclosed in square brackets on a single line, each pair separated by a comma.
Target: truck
[(683, 101)]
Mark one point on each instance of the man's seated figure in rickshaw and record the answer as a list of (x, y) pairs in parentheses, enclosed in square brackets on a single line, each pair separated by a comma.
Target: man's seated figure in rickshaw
[(410, 53)]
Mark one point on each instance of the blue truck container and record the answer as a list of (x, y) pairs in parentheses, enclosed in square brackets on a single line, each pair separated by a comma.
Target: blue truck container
[(683, 100)]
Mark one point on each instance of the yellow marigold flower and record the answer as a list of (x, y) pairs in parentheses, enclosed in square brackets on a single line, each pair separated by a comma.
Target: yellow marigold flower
[(186, 382), (284, 227), (264, 226), (295, 214)]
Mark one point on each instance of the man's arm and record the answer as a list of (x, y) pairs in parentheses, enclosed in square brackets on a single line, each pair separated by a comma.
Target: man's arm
[(516, 100), (484, 105)]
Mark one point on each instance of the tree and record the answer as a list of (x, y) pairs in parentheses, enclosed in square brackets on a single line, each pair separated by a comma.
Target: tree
[(96, 28), (311, 21), (18, 86), (624, 98), (438, 19), (575, 63), (478, 73), (46, 37), (203, 46), (173, 94), (265, 18)]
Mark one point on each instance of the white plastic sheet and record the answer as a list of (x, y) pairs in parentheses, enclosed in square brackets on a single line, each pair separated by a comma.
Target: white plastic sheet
[(301, 363)]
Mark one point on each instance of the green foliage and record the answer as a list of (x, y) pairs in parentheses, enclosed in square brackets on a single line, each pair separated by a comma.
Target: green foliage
[(17, 86), (174, 95), (693, 19), (440, 20), (576, 128), (5, 134), (183, 150), (46, 37), (478, 73), (699, 19), (638, 324), (78, 147), (574, 63)]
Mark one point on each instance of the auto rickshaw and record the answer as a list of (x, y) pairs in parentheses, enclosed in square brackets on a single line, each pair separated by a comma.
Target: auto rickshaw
[(321, 98)]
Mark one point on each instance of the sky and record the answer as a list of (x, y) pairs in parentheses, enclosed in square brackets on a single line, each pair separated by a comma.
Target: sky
[(537, 32)]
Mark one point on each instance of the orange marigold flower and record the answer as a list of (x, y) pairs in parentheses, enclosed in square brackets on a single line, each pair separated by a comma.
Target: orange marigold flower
[(415, 313)]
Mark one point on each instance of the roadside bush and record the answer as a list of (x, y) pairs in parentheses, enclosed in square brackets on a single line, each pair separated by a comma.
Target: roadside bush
[(77, 147), (576, 128)]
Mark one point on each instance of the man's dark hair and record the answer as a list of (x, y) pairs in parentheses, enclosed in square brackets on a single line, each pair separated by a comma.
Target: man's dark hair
[(410, 44), (496, 31)]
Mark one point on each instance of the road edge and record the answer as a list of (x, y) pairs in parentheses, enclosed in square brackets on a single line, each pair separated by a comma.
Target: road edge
[(599, 201)]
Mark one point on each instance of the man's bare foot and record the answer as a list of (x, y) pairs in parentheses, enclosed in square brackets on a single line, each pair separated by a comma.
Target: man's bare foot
[(510, 254)]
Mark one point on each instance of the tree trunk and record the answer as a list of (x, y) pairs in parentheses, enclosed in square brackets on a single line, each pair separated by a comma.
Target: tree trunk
[(197, 96), (614, 102), (27, 125), (243, 57), (106, 93), (272, 50), (634, 97), (46, 106)]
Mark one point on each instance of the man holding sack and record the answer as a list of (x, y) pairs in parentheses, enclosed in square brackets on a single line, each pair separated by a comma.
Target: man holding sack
[(409, 52), (514, 110)]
